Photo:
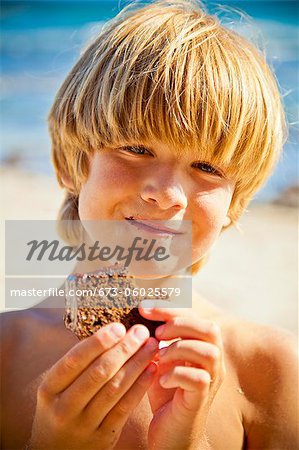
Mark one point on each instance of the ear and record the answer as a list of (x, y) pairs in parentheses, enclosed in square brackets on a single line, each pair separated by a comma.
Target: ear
[(67, 182), (227, 221)]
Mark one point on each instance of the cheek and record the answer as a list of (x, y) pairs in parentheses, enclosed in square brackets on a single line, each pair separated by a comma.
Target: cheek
[(210, 212), (213, 210), (104, 190)]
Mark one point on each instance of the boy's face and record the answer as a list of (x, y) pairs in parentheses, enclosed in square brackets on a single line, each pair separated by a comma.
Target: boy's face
[(149, 181)]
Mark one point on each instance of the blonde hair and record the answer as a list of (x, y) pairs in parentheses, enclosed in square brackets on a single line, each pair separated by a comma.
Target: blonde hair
[(169, 71)]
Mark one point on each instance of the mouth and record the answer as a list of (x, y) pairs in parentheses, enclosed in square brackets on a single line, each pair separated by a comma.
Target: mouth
[(152, 227)]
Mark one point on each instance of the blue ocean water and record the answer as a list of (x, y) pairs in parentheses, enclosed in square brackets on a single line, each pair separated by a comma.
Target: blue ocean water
[(41, 40)]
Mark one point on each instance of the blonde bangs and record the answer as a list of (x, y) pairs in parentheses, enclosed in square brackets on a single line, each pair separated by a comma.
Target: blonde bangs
[(172, 73)]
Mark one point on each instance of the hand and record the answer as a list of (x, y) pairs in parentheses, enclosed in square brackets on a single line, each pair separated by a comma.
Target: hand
[(191, 370), (86, 398)]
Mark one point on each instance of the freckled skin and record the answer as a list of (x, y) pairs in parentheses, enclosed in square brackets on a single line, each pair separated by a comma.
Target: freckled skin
[(159, 186)]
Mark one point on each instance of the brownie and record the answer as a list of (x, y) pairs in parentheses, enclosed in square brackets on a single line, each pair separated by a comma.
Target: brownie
[(94, 306)]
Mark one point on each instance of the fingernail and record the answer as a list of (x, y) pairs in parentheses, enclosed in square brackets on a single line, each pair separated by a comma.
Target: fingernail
[(147, 304), (147, 310), (117, 330), (162, 351), (141, 333), (160, 330)]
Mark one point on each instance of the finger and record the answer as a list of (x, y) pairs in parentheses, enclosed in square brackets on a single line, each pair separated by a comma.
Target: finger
[(193, 382), (197, 353), (71, 365), (118, 416), (117, 387), (88, 384), (161, 310), (190, 328)]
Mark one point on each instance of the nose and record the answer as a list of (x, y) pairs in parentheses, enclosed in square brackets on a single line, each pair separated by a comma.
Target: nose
[(165, 189)]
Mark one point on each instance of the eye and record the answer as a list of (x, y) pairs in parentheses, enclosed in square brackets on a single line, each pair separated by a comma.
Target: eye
[(137, 150), (207, 168)]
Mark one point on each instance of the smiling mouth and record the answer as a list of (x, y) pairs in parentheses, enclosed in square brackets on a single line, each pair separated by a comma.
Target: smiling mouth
[(149, 226)]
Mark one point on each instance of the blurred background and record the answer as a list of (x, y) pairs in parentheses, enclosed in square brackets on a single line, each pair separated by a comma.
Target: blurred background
[(252, 273)]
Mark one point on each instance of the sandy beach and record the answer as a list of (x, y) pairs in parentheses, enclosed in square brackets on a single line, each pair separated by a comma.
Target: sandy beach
[(252, 273)]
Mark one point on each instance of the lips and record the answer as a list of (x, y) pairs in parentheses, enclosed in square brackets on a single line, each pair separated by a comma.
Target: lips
[(154, 226)]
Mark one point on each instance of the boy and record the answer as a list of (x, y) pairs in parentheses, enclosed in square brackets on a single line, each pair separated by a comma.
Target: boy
[(166, 116)]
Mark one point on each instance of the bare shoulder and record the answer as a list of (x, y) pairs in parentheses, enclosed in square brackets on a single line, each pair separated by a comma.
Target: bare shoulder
[(31, 342), (260, 344), (18, 327), (266, 362), (30, 332), (263, 362), (13, 325), (269, 351)]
